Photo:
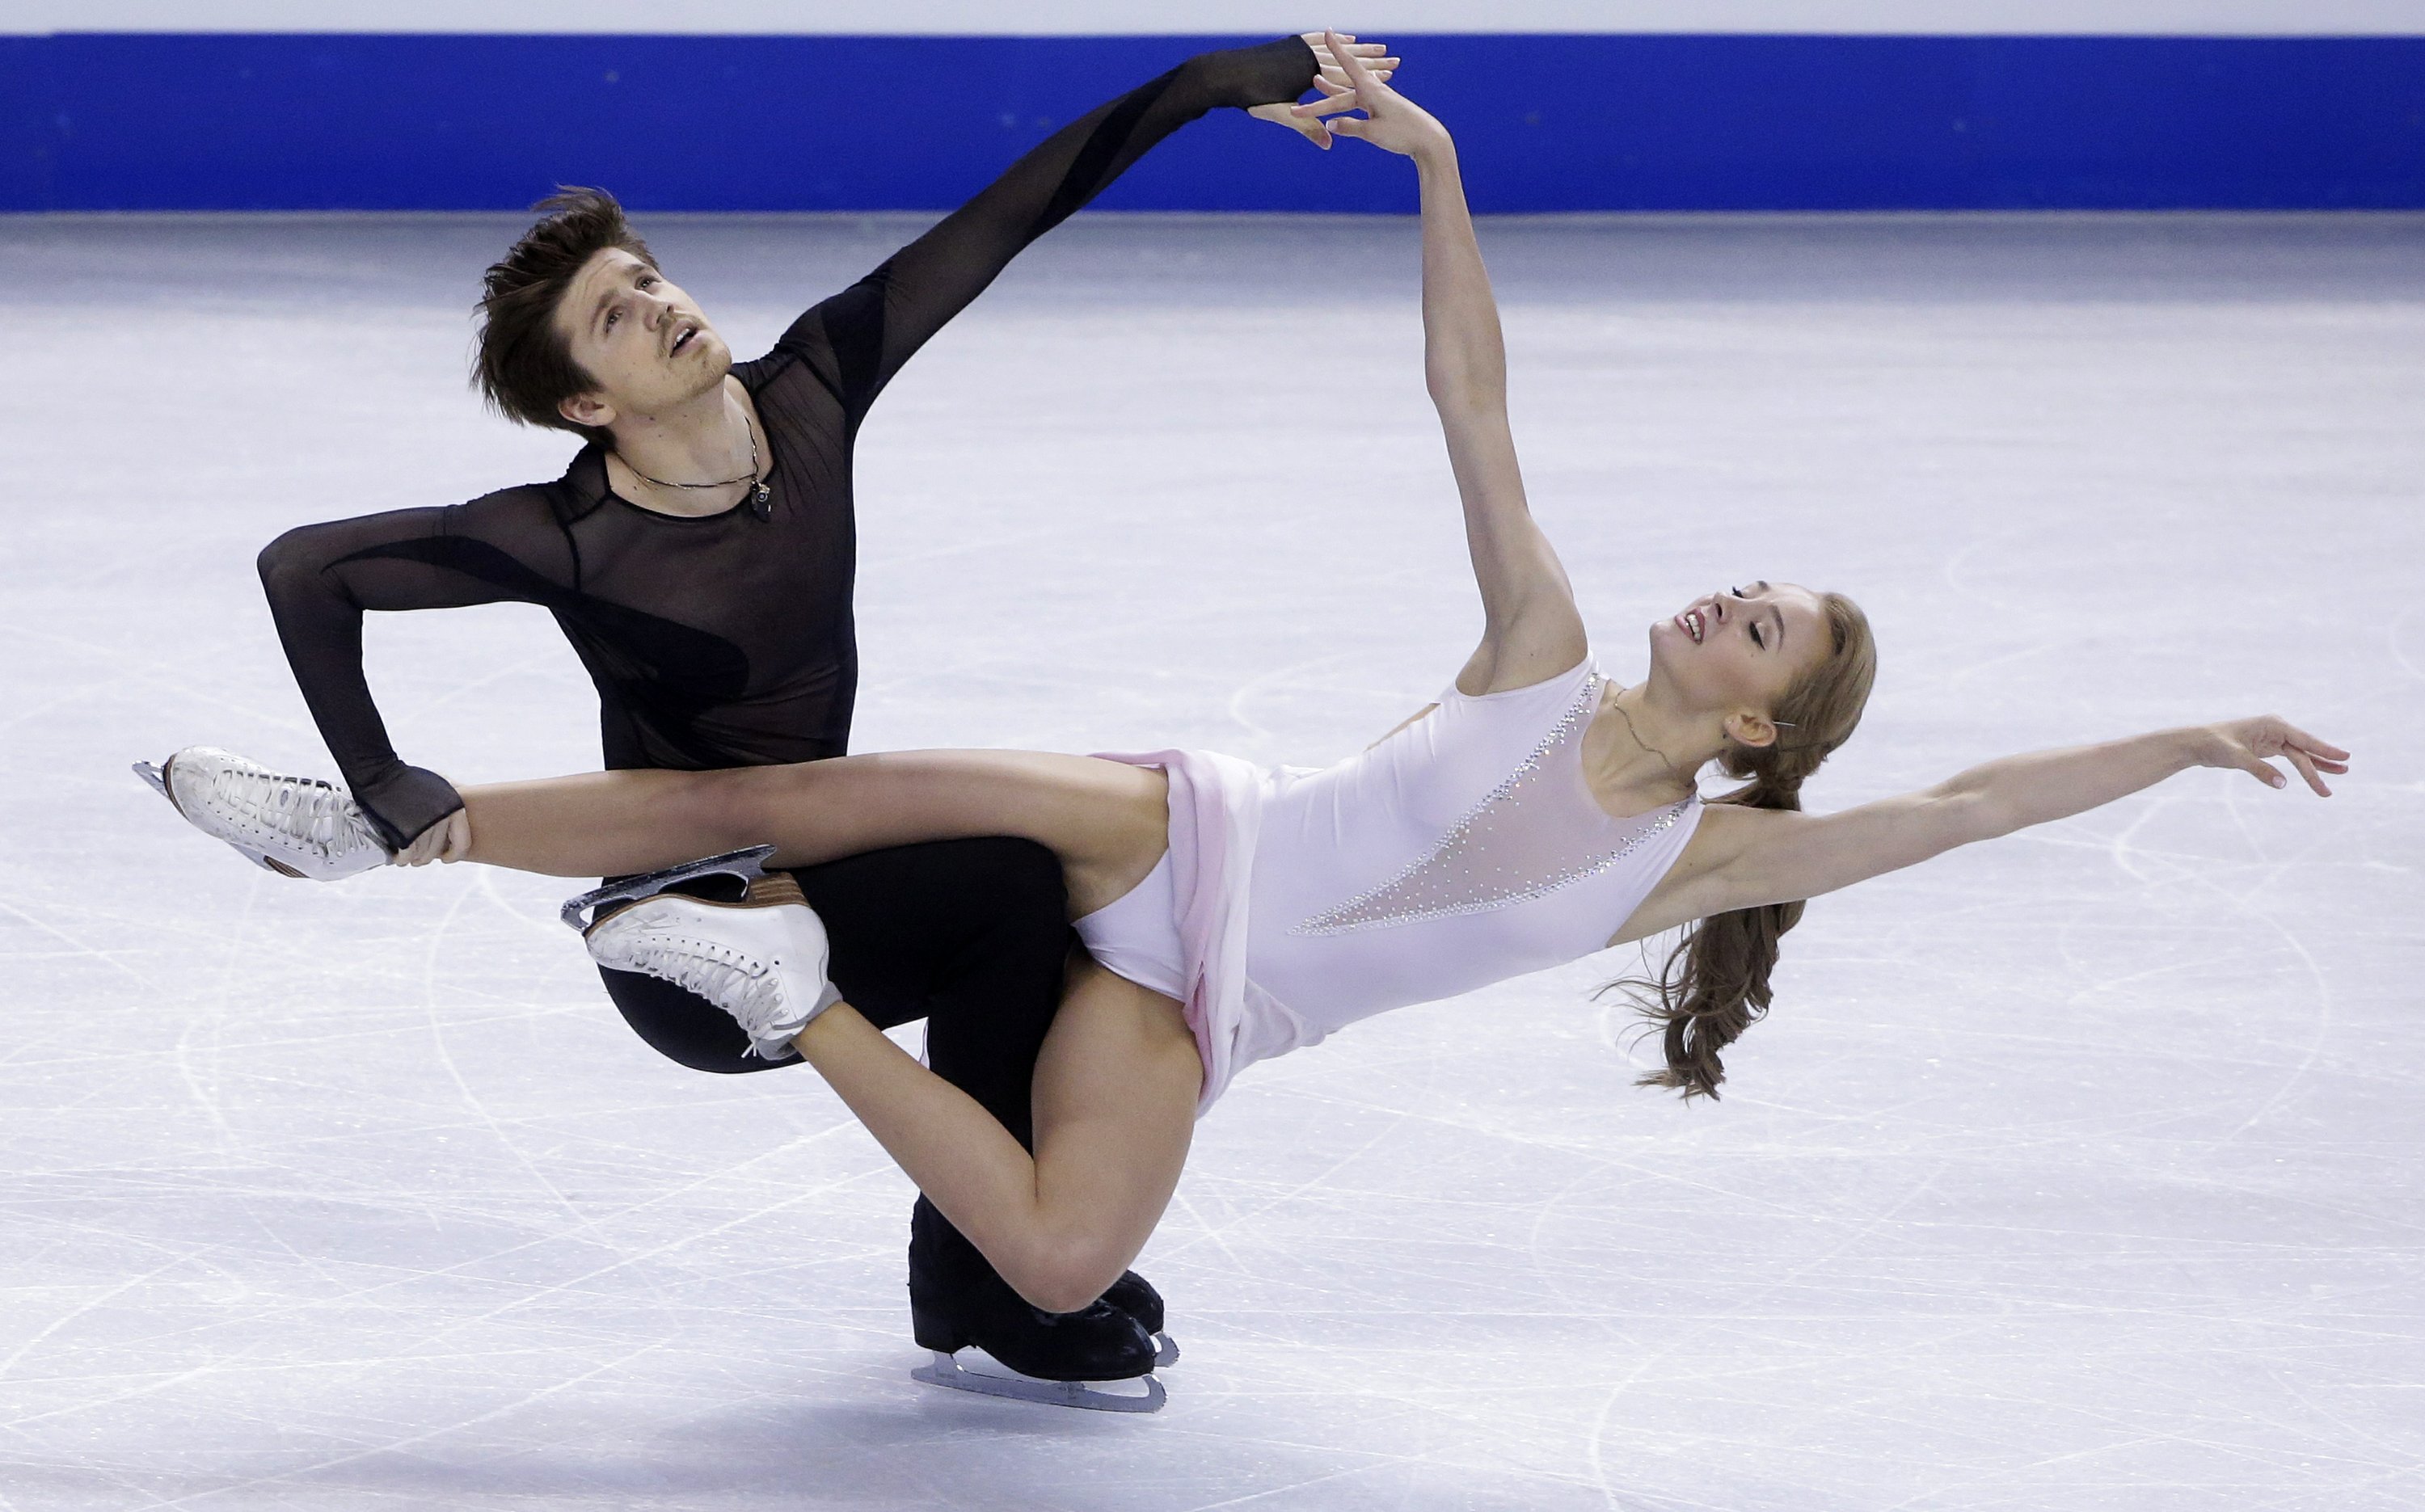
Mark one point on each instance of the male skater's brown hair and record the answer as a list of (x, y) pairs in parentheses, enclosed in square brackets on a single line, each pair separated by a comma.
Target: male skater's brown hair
[(523, 367)]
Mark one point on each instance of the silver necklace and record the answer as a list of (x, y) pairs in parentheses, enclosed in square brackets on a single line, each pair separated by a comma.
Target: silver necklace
[(760, 495), (1648, 749)]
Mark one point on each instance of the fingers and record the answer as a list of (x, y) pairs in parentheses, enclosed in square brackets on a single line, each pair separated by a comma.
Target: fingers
[(1357, 75), (1344, 100), (2306, 769), (2247, 744), (1331, 50), (423, 849), (1334, 65), (1326, 42), (2312, 746), (1335, 96), (2266, 772), (2311, 757), (1335, 79), (448, 840), (1312, 131)]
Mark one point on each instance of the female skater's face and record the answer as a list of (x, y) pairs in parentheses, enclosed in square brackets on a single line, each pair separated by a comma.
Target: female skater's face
[(1737, 651), (639, 337)]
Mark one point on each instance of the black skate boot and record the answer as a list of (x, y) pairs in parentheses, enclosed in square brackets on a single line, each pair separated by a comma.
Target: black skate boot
[(1134, 1295), (1061, 1359)]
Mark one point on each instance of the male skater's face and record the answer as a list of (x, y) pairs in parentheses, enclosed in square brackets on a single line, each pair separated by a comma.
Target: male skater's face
[(639, 337)]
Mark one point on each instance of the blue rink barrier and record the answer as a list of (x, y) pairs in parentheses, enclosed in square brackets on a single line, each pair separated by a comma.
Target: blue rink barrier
[(280, 122)]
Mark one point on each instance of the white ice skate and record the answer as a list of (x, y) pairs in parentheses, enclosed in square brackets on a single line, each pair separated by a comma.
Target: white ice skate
[(761, 958), (294, 826)]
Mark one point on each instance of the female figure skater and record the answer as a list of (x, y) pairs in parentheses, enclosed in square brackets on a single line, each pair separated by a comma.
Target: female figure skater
[(1537, 812)]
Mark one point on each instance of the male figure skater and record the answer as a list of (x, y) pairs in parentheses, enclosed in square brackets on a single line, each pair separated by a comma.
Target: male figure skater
[(698, 554)]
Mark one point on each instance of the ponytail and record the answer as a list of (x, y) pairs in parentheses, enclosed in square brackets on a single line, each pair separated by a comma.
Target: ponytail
[(1714, 984)]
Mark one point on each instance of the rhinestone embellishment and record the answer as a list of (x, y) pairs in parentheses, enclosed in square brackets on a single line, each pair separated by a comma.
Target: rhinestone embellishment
[(1460, 873)]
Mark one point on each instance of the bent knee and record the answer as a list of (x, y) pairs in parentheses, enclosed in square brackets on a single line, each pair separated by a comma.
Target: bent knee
[(1066, 1277)]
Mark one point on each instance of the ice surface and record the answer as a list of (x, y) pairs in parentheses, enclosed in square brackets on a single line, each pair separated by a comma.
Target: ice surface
[(2085, 1169)]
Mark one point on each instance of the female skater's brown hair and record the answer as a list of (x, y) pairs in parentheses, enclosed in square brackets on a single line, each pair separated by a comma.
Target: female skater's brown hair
[(1715, 983)]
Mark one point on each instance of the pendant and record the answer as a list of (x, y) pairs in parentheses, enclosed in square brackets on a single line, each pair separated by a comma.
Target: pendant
[(759, 497)]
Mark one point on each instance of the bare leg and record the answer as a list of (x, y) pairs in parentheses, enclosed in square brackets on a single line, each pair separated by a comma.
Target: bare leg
[(1107, 821), (1115, 1092), (1117, 1083)]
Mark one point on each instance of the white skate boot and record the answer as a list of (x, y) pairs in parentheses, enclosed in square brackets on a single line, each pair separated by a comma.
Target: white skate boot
[(761, 959), (294, 826)]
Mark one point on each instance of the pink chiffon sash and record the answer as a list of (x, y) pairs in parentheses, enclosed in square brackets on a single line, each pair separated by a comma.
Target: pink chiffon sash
[(1216, 810)]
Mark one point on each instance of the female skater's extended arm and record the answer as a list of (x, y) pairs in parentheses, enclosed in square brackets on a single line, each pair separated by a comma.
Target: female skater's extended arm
[(1530, 629), (1769, 857)]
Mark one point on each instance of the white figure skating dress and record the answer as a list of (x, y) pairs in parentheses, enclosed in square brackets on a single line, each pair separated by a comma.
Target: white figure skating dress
[(1463, 849)]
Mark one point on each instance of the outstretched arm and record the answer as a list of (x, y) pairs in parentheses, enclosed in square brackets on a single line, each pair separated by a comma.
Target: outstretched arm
[(1530, 629), (859, 339), (1769, 857)]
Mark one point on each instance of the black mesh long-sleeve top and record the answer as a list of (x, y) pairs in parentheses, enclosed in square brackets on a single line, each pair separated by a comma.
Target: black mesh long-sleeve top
[(726, 640)]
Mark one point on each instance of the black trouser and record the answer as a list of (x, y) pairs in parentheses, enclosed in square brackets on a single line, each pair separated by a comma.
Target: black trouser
[(970, 935)]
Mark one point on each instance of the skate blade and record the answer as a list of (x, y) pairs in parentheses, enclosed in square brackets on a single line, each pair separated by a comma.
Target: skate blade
[(747, 864), (947, 1372), (157, 779), (1166, 1351)]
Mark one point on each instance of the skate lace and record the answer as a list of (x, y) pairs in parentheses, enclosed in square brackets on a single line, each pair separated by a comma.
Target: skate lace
[(303, 809), (739, 984)]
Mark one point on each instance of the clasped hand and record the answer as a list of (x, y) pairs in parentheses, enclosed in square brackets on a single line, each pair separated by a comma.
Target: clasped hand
[(448, 840), (1354, 76)]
